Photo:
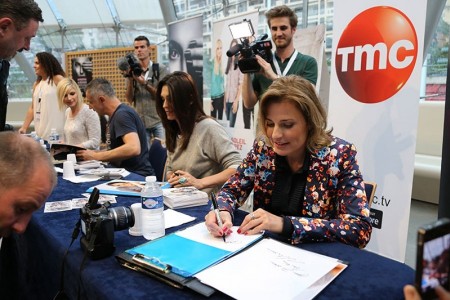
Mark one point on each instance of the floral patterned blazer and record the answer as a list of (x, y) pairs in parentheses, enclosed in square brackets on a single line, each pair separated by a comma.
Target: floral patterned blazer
[(335, 206)]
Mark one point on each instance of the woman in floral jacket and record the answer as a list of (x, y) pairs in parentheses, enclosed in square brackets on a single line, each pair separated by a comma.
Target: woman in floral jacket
[(307, 183)]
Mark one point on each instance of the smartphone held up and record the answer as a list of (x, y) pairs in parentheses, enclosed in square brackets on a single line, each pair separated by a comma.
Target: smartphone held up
[(433, 258)]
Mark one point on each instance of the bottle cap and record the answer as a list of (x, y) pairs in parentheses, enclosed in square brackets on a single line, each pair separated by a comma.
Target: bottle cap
[(150, 179)]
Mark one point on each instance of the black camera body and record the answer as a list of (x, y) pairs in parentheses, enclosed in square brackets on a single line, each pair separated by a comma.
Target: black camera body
[(248, 50), (98, 223), (248, 63), (135, 67)]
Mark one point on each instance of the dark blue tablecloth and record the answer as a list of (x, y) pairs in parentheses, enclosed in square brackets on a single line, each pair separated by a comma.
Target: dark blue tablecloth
[(368, 276)]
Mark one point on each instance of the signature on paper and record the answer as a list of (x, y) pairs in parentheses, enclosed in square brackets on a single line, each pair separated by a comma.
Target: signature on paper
[(288, 264)]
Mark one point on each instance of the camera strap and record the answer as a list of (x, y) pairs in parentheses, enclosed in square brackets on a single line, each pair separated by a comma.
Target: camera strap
[(61, 294), (155, 70), (288, 67), (89, 248)]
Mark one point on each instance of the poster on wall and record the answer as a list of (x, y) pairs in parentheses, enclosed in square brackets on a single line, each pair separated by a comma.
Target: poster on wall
[(82, 71), (374, 99), (226, 103), (186, 49)]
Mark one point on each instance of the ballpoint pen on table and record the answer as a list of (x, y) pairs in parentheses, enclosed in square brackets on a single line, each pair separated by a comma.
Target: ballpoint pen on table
[(216, 211)]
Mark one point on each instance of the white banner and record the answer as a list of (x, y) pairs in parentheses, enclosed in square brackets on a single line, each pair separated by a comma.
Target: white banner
[(237, 120), (374, 97)]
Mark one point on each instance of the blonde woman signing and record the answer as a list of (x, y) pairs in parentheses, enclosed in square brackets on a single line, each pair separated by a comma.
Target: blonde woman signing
[(82, 127), (307, 183)]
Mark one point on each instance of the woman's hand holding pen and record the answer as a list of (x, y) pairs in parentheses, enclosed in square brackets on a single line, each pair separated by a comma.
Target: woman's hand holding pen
[(259, 221), (181, 179), (211, 223)]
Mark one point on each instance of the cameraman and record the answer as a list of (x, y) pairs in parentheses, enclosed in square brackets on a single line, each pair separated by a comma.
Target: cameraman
[(140, 91), (282, 22)]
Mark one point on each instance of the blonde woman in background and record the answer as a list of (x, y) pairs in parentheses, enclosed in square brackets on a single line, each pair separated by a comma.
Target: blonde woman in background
[(82, 127), (217, 84)]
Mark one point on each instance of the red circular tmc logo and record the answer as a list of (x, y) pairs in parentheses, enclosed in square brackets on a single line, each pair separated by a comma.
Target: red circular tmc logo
[(376, 54)]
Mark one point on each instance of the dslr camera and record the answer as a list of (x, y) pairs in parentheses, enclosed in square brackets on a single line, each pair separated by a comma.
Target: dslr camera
[(249, 46), (98, 223), (129, 65)]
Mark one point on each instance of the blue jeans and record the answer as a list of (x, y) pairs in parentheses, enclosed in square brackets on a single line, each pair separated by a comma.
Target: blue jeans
[(231, 116), (156, 131)]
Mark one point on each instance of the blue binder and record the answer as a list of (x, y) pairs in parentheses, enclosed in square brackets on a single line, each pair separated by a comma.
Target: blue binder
[(178, 255)]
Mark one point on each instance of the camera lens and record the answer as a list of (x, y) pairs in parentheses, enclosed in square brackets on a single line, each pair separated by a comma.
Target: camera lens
[(122, 217)]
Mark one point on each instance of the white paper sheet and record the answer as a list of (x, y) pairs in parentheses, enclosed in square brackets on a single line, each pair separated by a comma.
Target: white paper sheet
[(174, 218), (90, 175), (268, 270), (83, 178), (234, 241)]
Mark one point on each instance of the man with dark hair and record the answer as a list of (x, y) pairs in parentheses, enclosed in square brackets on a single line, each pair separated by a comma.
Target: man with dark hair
[(19, 22), (287, 60), (141, 88), (126, 138)]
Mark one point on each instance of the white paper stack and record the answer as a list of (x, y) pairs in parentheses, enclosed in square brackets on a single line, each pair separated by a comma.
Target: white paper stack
[(184, 197)]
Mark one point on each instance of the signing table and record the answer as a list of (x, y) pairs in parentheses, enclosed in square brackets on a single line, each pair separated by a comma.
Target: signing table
[(368, 276)]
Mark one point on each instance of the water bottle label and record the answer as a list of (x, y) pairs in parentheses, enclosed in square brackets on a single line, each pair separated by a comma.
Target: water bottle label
[(54, 137), (152, 202)]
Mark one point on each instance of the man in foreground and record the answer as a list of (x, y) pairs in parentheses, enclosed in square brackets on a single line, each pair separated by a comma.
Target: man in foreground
[(27, 177), (19, 22)]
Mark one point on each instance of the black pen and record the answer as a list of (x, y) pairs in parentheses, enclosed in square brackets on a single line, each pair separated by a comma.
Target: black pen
[(216, 211)]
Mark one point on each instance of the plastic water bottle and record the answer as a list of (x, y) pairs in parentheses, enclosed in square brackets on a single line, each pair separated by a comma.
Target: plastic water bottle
[(152, 209), (43, 145), (54, 136), (34, 136)]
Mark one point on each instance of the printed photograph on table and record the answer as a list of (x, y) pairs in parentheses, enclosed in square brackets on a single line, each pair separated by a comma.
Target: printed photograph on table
[(184, 197), (122, 187), (60, 151)]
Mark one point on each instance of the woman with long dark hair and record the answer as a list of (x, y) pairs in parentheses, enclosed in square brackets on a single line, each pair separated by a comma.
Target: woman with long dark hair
[(44, 109), (200, 152)]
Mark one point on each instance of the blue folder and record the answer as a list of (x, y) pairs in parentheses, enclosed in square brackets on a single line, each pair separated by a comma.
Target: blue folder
[(179, 255)]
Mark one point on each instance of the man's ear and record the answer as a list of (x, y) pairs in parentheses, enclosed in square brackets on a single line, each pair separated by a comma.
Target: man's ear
[(101, 99), (5, 24)]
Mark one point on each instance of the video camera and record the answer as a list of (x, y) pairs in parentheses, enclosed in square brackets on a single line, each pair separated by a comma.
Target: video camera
[(98, 223), (129, 65), (244, 32)]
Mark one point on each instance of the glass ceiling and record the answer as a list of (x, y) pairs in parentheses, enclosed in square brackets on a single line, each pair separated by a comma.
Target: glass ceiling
[(85, 25), (96, 24)]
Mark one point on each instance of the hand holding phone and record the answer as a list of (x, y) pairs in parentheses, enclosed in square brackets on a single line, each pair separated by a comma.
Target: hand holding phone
[(433, 258)]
